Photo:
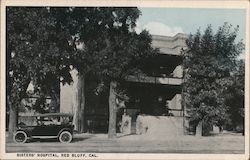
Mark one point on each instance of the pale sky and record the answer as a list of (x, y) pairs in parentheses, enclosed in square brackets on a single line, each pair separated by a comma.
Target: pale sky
[(169, 21)]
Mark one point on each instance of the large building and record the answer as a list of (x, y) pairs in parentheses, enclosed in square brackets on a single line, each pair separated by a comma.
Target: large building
[(155, 98)]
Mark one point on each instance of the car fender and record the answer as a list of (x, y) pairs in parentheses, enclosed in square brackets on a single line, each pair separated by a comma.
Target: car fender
[(28, 132)]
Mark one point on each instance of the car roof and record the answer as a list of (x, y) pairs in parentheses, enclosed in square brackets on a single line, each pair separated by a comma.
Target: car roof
[(50, 115)]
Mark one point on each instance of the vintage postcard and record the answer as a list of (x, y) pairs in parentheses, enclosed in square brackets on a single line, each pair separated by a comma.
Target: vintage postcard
[(124, 79)]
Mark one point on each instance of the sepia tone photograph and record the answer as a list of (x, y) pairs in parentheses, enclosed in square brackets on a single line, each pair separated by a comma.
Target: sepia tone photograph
[(87, 80)]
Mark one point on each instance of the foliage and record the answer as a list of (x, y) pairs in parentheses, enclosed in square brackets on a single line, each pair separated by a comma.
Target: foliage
[(235, 97), (112, 49), (208, 65), (45, 43), (35, 51)]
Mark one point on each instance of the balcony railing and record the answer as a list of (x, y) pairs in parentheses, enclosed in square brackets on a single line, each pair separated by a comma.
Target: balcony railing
[(156, 80)]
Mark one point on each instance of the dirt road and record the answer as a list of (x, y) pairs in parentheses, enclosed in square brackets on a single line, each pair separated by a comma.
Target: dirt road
[(99, 143)]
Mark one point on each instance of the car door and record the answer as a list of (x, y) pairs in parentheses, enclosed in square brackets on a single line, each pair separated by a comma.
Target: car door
[(45, 127)]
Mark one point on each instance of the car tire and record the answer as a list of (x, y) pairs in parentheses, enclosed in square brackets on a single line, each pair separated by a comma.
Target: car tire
[(20, 137), (65, 137)]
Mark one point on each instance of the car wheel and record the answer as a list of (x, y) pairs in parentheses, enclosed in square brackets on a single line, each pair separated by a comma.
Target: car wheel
[(20, 137), (65, 137)]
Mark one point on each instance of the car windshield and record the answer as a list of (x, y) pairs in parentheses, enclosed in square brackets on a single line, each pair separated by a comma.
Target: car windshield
[(45, 119), (57, 120)]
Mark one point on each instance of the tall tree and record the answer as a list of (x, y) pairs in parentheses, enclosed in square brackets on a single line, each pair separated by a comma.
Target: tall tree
[(234, 95), (37, 51), (208, 65), (92, 28), (43, 44), (112, 49)]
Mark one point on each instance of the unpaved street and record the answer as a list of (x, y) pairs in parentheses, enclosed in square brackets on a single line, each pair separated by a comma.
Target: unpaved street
[(99, 143)]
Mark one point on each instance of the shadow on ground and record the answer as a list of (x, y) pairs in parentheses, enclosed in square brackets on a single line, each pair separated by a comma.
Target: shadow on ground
[(125, 135), (78, 138)]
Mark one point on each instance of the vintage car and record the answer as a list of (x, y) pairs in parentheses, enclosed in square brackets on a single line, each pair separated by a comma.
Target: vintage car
[(43, 126)]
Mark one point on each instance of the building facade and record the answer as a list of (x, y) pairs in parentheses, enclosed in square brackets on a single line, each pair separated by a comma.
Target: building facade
[(155, 99)]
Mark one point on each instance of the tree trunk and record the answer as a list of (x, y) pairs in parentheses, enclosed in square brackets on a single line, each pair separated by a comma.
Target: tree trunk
[(12, 121), (80, 104), (243, 132), (13, 109), (76, 111), (199, 129), (55, 103), (56, 97), (112, 110)]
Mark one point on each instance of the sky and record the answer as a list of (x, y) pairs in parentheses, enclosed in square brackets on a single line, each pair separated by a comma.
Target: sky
[(170, 21)]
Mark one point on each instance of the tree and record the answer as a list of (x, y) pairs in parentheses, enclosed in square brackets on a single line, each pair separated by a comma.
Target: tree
[(43, 44), (234, 95), (208, 64), (112, 49), (37, 51), (94, 28)]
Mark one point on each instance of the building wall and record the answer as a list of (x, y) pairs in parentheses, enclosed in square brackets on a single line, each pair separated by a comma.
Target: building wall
[(175, 105), (68, 95), (168, 45), (159, 126), (176, 102), (178, 72)]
